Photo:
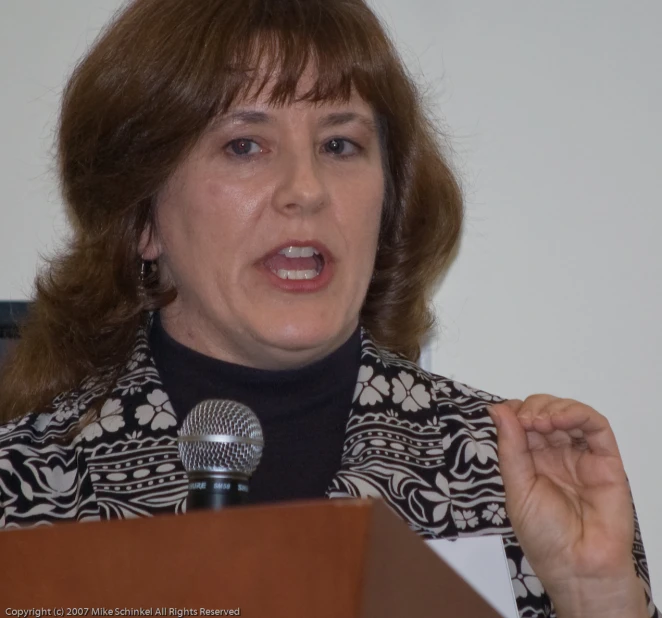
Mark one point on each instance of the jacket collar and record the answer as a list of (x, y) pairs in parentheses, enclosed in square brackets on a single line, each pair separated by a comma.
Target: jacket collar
[(393, 447)]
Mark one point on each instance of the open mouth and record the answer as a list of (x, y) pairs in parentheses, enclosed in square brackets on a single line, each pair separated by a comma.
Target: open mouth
[(296, 263)]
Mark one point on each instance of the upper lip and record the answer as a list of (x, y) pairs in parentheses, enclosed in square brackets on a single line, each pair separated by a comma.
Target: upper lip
[(315, 244)]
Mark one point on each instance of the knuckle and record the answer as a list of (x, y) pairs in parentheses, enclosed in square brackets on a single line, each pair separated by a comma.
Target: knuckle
[(534, 405)]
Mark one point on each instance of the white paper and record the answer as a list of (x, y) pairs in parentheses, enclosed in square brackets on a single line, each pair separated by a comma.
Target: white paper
[(481, 562)]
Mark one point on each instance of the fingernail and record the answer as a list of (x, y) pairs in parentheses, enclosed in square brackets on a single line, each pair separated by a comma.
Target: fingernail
[(494, 415)]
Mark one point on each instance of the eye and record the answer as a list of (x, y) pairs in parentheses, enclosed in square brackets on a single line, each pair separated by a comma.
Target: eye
[(242, 147), (342, 148)]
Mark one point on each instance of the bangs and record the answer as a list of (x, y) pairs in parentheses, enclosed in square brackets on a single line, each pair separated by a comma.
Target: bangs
[(274, 43)]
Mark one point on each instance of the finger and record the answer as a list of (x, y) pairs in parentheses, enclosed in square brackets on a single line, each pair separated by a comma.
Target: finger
[(542, 440), (534, 416), (536, 441), (594, 427), (513, 404), (515, 458), (540, 419), (533, 407), (586, 427), (557, 438)]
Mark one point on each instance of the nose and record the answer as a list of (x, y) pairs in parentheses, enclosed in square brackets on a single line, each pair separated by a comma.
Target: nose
[(301, 189)]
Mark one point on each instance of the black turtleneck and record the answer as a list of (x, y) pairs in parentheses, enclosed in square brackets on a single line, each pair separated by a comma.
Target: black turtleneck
[(303, 411)]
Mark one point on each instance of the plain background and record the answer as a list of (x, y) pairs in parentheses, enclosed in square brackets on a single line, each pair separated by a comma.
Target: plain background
[(551, 112)]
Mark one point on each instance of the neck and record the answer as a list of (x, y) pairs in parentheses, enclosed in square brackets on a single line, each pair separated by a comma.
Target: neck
[(246, 348)]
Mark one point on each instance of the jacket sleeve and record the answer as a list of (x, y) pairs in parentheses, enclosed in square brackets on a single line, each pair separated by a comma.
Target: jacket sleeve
[(5, 480), (641, 566), (2, 510), (17, 472)]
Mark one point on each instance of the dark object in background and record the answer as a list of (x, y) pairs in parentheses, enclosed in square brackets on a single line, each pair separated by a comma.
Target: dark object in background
[(10, 315)]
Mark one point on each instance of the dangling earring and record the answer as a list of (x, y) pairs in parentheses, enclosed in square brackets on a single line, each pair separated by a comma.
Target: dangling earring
[(148, 269)]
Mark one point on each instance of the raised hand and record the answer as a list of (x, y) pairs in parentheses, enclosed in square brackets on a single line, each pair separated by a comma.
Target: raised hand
[(569, 502)]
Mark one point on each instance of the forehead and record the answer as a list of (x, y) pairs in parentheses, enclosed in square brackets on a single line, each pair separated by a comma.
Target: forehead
[(259, 95)]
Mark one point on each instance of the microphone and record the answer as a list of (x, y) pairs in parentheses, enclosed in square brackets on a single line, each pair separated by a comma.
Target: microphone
[(220, 444)]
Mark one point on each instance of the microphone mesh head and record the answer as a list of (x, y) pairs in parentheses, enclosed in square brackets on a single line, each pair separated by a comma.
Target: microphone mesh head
[(221, 418)]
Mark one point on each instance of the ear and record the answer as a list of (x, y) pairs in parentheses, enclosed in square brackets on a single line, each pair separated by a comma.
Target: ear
[(149, 247)]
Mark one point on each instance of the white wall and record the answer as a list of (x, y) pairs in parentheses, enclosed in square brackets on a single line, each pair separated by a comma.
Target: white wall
[(40, 41), (552, 110), (554, 113)]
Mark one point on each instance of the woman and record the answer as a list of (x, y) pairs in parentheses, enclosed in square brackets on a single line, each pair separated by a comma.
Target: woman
[(260, 211)]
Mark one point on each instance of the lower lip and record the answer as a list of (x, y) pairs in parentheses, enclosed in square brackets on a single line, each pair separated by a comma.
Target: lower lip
[(301, 285)]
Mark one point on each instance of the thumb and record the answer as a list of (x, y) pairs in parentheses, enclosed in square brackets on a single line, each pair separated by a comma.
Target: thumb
[(515, 458)]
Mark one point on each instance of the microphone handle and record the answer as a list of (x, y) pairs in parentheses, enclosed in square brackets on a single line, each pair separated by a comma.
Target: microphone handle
[(215, 492)]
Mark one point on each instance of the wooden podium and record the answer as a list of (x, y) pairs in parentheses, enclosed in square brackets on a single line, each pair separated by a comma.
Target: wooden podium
[(306, 559)]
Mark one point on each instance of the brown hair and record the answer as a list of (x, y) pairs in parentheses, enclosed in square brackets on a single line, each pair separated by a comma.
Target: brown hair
[(154, 81)]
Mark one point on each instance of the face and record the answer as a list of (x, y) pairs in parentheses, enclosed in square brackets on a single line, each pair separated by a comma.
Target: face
[(269, 229)]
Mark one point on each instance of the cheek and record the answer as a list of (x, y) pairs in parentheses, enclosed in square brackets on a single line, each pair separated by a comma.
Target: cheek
[(233, 205), (364, 202), (189, 236), (205, 217)]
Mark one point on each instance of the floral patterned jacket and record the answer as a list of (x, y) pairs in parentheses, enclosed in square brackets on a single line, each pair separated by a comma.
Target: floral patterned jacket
[(423, 443)]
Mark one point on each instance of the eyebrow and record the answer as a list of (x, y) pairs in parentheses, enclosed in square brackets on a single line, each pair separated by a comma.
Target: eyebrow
[(330, 120)]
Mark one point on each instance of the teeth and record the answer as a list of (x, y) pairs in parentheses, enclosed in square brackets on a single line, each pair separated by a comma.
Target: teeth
[(296, 252), (297, 274)]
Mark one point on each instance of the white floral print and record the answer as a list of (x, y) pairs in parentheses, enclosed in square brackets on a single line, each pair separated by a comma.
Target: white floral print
[(110, 420), (61, 414), (412, 397), (59, 480), (423, 465), (464, 519), (42, 421), (465, 389), (475, 393), (369, 389), (524, 581), (442, 387), (8, 428), (131, 389), (136, 360), (442, 498), (495, 514), (481, 446), (159, 411)]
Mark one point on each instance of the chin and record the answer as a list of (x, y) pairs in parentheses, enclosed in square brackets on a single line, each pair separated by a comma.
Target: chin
[(306, 335)]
